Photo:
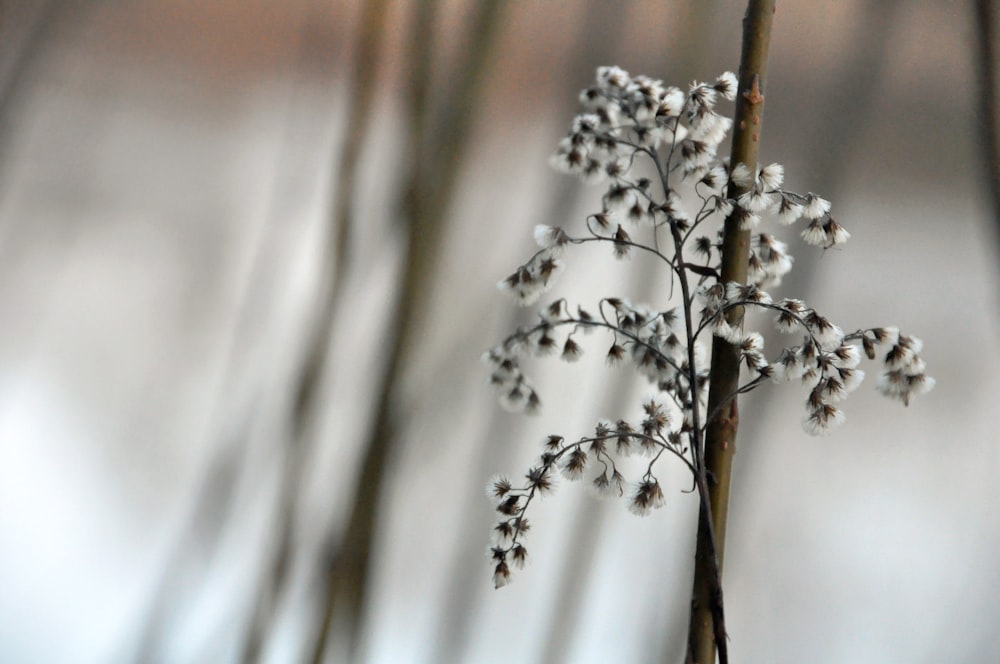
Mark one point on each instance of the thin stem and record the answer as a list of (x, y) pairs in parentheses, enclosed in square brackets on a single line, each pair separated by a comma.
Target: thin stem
[(706, 631)]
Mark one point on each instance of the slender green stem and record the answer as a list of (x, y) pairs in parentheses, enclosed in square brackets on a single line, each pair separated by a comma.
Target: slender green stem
[(706, 631)]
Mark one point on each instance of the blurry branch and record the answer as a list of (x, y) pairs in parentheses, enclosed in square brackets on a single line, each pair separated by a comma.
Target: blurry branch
[(433, 174), (987, 101), (205, 527), (23, 69), (231, 419), (358, 116), (602, 30), (307, 404), (602, 25), (707, 630)]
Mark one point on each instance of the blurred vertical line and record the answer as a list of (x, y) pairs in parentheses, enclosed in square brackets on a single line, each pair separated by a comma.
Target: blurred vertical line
[(360, 112), (214, 503), (601, 36), (433, 174), (307, 404), (23, 69), (986, 55), (602, 24)]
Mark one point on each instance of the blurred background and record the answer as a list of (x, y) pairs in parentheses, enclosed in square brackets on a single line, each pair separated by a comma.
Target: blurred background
[(248, 256)]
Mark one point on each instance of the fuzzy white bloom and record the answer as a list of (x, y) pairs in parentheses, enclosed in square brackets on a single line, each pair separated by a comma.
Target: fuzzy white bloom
[(711, 128), (814, 234), (898, 385), (787, 367), (815, 207), (758, 201), (501, 576), (734, 291), (822, 420), (714, 179), (701, 97), (752, 341), (788, 212), (673, 135), (852, 378), (612, 77), (721, 328), (741, 175), (723, 206), (567, 158), (671, 413), (530, 281), (835, 233), (586, 124), (887, 335), (772, 176), (830, 338), (848, 356), (646, 496), (672, 102), (749, 221), (727, 85), (903, 352), (550, 237)]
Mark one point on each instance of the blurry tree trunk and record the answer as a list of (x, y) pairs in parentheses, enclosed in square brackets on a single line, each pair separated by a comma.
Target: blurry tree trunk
[(307, 403), (707, 630), (433, 174), (988, 104)]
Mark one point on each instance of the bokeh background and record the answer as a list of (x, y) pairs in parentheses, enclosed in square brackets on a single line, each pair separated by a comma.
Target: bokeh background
[(248, 256)]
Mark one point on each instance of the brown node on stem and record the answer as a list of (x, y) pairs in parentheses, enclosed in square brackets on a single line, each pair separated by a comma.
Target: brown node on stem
[(753, 95)]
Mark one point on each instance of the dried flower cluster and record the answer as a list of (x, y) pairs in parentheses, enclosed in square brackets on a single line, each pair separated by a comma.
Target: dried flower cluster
[(634, 122)]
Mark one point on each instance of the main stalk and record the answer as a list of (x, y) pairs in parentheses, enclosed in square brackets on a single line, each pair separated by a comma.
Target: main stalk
[(721, 428)]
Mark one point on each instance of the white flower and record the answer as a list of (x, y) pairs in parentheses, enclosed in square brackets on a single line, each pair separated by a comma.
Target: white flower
[(898, 385), (835, 233), (815, 207), (550, 237), (646, 497), (788, 211), (726, 84), (711, 128), (822, 420), (612, 77), (772, 176), (672, 102), (814, 234), (741, 175)]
